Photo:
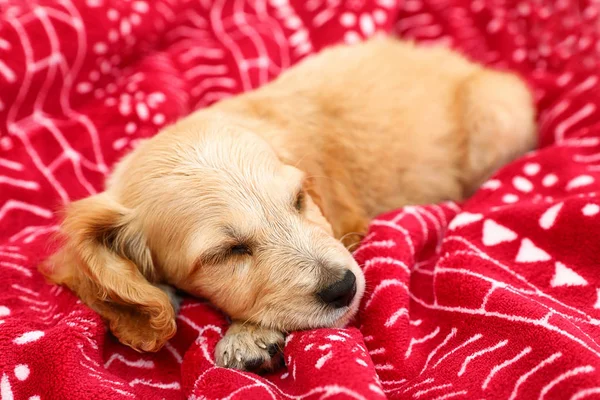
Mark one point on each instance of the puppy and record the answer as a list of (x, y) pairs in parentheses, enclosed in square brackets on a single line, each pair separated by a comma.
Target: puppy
[(246, 203)]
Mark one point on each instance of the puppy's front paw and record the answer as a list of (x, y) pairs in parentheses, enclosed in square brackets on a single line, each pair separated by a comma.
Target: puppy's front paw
[(250, 348)]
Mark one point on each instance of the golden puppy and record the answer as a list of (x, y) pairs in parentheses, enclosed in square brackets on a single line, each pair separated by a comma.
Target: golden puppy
[(244, 203)]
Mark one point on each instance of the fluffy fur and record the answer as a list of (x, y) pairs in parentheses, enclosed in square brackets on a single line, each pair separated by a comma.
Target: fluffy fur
[(246, 203)]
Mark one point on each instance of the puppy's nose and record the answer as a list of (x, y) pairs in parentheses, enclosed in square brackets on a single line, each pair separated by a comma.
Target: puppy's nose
[(341, 293)]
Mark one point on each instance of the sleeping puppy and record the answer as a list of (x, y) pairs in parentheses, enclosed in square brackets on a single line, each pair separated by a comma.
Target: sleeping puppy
[(250, 203)]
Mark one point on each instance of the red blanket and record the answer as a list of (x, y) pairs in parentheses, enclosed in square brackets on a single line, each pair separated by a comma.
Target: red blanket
[(495, 298)]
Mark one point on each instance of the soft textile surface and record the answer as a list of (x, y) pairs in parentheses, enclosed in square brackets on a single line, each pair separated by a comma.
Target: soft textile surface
[(496, 298)]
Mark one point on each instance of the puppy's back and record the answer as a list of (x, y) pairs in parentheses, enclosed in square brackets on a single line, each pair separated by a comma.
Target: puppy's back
[(395, 123)]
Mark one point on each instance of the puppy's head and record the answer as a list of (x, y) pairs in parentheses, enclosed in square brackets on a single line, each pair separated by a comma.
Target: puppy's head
[(208, 207)]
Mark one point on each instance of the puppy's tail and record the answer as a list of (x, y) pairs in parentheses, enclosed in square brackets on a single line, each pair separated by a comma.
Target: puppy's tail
[(498, 117)]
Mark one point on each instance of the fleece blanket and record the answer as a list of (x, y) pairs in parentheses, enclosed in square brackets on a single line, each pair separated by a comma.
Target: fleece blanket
[(496, 298)]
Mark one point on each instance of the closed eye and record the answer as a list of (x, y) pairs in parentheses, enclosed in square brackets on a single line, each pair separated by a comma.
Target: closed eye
[(240, 250), (222, 253), (299, 201)]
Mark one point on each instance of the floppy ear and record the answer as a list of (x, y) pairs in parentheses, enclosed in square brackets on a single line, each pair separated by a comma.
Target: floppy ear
[(107, 262)]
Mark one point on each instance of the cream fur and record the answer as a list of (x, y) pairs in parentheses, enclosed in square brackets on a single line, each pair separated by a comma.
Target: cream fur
[(360, 130)]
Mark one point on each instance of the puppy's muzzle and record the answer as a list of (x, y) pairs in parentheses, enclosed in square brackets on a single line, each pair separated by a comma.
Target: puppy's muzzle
[(341, 293)]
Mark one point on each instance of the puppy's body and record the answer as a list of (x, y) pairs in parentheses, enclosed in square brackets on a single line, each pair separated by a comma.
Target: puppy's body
[(388, 124), (242, 202)]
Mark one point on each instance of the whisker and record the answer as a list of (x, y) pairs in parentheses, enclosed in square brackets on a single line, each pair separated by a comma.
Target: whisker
[(303, 157), (350, 233), (250, 317), (352, 246), (325, 177)]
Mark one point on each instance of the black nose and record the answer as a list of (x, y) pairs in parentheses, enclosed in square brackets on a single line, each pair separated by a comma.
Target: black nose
[(341, 293)]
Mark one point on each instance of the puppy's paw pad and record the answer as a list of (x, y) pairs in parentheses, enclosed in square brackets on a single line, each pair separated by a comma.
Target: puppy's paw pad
[(252, 365), (256, 350), (273, 349)]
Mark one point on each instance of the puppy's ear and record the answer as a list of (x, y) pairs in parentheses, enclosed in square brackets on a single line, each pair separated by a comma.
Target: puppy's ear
[(107, 262)]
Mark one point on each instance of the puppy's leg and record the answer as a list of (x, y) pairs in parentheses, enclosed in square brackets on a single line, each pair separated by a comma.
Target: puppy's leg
[(498, 119), (250, 347)]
